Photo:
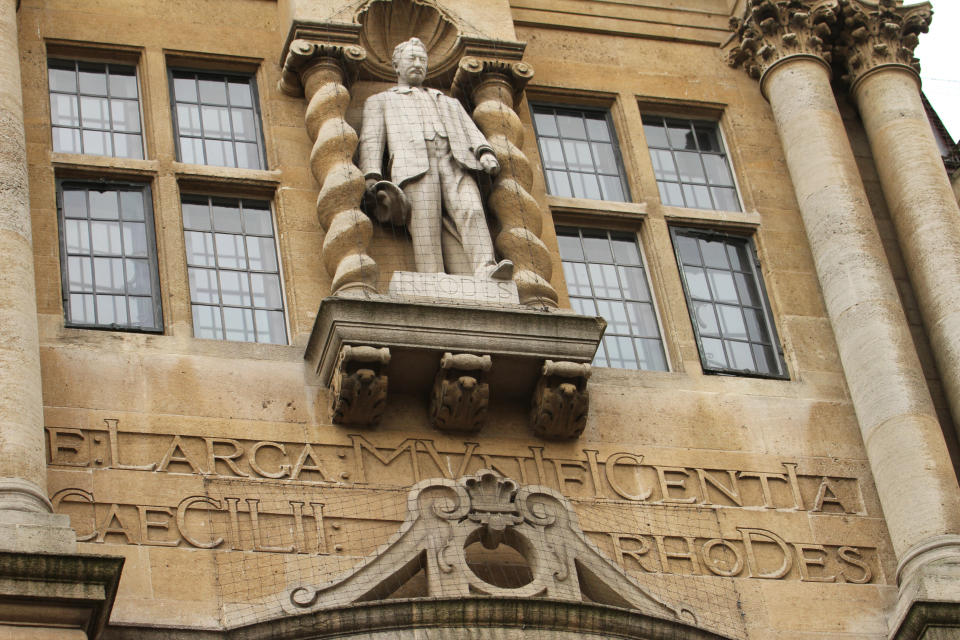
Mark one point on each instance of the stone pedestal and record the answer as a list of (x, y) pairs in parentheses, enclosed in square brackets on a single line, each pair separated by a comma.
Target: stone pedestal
[(412, 285)]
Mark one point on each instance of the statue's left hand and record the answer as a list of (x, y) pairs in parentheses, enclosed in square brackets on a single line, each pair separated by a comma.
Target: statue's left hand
[(489, 163)]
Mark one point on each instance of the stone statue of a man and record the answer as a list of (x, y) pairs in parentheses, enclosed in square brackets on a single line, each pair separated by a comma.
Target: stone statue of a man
[(433, 148)]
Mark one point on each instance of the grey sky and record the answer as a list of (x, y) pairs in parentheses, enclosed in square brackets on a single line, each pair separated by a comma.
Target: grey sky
[(939, 54)]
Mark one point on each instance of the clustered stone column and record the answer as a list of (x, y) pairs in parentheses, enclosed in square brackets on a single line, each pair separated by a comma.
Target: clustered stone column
[(494, 87), (787, 46), (320, 72)]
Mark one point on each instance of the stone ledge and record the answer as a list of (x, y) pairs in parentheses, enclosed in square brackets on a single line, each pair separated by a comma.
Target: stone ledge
[(930, 621), (518, 339), (58, 590)]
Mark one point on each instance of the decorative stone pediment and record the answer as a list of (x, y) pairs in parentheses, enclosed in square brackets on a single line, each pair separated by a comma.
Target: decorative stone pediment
[(486, 535), (880, 33), (771, 30)]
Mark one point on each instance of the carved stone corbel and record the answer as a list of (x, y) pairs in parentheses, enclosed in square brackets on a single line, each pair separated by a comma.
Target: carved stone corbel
[(560, 401), (493, 87), (320, 71), (772, 30), (878, 34), (359, 385), (460, 396)]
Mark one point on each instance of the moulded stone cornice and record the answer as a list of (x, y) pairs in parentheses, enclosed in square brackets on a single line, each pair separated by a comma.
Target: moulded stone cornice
[(875, 34), (305, 53), (772, 30)]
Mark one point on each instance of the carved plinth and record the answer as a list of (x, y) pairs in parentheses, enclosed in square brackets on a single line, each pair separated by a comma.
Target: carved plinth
[(359, 388), (560, 401), (493, 87), (460, 394), (517, 339)]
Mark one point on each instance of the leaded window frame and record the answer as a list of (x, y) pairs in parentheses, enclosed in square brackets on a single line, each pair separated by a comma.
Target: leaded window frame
[(565, 230), (613, 140), (149, 222), (754, 270), (251, 78)]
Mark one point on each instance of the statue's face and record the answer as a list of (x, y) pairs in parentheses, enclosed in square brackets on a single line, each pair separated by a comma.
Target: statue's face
[(412, 66)]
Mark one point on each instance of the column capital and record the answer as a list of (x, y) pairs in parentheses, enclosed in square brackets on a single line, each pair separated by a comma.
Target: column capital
[(304, 54), (773, 30), (473, 71), (877, 34)]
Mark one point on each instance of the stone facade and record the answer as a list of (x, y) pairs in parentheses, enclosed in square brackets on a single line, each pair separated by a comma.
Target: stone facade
[(425, 455)]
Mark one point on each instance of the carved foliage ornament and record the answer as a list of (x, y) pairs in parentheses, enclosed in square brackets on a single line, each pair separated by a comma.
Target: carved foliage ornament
[(771, 30), (876, 34), (560, 401), (460, 395)]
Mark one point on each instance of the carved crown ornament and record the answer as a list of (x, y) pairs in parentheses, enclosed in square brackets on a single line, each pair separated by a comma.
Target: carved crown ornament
[(458, 532), (878, 34)]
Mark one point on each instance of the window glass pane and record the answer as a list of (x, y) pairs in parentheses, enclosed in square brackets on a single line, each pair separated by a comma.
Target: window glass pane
[(63, 110), (196, 215), (207, 322), (558, 184), (106, 237), (697, 283), (634, 283), (131, 205), (230, 252), (238, 324), (551, 150), (97, 143), (111, 310), (266, 290), (713, 353), (262, 254), (642, 320), (612, 188), (219, 153), (80, 274), (605, 282), (670, 194), (689, 166), (244, 125), (578, 283), (248, 155), (108, 274), (571, 125), (62, 77), (81, 309), (74, 203), (270, 327), (597, 127), (707, 138), (235, 288), (731, 322), (185, 89), (615, 313), (741, 355), (651, 354), (706, 318), (215, 121), (135, 239), (578, 156), (597, 247), (584, 306), (626, 251), (569, 247), (240, 93), (763, 355), (66, 140), (213, 91), (663, 165), (199, 249), (717, 170), (127, 145), (545, 124), (203, 286), (721, 284), (123, 82), (697, 196), (714, 254), (725, 199), (605, 158), (125, 115), (680, 135), (755, 323), (188, 120), (689, 251), (104, 205), (191, 150), (95, 112), (257, 221), (77, 235), (142, 312), (138, 277), (655, 134), (93, 78), (226, 217)]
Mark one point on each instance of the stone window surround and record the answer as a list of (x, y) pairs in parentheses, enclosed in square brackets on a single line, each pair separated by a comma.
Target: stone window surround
[(161, 171)]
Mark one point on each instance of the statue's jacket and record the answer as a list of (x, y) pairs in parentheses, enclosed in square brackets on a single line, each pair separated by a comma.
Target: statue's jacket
[(392, 118)]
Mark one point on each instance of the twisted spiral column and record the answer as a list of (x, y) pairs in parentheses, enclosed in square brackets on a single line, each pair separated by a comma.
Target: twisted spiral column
[(494, 86), (321, 71)]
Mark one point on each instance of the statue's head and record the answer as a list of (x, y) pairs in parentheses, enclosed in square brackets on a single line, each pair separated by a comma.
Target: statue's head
[(410, 62)]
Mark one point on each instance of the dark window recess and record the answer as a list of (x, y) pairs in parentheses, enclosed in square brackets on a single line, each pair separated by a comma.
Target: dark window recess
[(235, 290), (95, 109), (606, 277), (690, 164), (108, 257), (216, 119), (728, 305), (579, 152)]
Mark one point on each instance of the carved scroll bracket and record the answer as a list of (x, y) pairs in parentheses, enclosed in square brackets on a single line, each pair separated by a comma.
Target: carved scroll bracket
[(304, 54), (774, 30), (880, 34), (473, 71), (461, 394), (560, 401), (359, 385)]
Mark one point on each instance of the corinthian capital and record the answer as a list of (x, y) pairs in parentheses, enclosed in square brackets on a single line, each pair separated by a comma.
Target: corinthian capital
[(772, 30), (880, 33)]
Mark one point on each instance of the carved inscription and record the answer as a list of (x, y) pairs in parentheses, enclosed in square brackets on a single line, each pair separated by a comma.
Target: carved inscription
[(300, 498)]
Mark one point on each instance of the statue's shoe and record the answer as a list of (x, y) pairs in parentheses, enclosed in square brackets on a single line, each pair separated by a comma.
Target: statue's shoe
[(503, 270)]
